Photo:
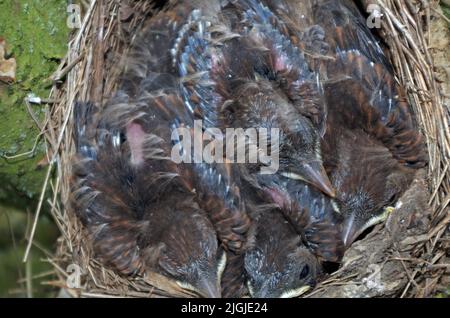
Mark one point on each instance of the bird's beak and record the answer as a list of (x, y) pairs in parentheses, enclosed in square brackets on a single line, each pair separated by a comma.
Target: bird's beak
[(296, 292), (353, 228), (314, 173), (208, 288), (264, 293)]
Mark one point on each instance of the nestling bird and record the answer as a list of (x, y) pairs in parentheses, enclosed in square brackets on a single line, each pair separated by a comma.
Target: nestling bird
[(259, 104), (278, 265), (276, 262), (153, 70), (196, 47), (215, 84), (371, 145), (366, 175), (138, 213)]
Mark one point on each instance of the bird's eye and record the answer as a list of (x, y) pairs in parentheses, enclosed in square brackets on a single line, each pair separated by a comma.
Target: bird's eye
[(392, 196), (305, 272), (123, 137)]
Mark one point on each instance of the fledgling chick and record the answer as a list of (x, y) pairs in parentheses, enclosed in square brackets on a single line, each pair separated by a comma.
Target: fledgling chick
[(365, 174), (259, 105), (215, 85), (155, 73), (371, 145), (180, 243), (139, 216), (278, 265), (367, 179)]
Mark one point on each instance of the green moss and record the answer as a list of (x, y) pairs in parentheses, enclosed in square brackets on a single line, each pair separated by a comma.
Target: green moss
[(36, 34), (445, 294), (446, 12)]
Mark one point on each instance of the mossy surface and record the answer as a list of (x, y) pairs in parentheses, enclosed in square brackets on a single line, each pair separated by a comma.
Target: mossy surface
[(36, 35), (446, 10)]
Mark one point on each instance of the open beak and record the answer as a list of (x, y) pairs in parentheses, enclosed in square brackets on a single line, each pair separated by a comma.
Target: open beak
[(314, 173), (209, 288)]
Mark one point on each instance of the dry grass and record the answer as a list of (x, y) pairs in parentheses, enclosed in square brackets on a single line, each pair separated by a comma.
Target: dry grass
[(86, 75)]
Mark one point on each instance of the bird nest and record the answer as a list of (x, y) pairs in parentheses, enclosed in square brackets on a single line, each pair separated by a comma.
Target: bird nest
[(407, 256)]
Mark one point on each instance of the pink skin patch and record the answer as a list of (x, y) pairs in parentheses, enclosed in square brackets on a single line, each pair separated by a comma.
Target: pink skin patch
[(135, 137), (280, 63), (278, 197), (215, 62)]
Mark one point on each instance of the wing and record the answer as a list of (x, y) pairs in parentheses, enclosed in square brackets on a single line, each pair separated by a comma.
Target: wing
[(317, 218), (100, 196), (358, 56), (339, 45)]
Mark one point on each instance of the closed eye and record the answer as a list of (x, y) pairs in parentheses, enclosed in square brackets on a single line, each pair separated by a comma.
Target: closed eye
[(305, 272)]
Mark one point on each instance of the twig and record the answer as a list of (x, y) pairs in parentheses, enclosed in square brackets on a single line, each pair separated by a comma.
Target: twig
[(57, 76), (29, 281), (38, 211)]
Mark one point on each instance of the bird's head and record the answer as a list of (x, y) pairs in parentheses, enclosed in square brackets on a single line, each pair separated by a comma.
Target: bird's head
[(368, 182), (262, 105), (191, 257), (277, 264), (282, 272), (369, 206)]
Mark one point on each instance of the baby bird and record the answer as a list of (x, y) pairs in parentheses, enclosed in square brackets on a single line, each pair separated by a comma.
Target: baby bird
[(365, 174), (259, 104), (276, 262), (154, 75), (278, 265), (371, 145), (139, 216), (226, 60)]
